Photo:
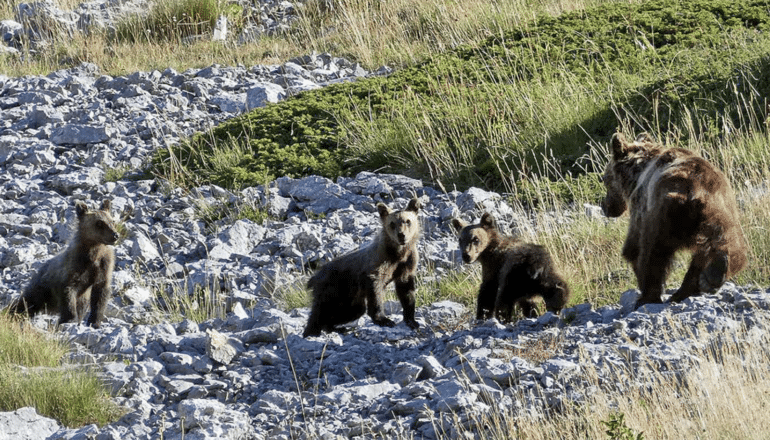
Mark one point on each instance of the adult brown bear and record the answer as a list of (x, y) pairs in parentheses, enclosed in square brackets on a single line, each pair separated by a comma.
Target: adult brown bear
[(676, 200), (80, 275), (347, 287), (512, 271)]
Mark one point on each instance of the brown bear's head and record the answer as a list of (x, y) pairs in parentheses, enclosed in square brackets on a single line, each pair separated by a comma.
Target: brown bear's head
[(629, 159), (474, 239), (401, 226), (614, 204), (556, 296), (96, 227)]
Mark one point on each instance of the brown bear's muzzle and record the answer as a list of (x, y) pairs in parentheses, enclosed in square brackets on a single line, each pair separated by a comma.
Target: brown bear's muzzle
[(467, 258), (613, 206)]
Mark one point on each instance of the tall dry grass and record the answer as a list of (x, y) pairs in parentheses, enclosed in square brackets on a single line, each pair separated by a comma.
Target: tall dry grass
[(723, 396), (372, 32)]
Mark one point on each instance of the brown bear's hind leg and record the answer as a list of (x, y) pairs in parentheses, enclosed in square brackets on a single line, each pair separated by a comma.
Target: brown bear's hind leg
[(690, 284)]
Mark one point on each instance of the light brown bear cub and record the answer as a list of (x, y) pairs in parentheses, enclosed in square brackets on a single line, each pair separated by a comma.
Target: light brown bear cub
[(347, 287), (676, 200), (80, 275), (512, 271)]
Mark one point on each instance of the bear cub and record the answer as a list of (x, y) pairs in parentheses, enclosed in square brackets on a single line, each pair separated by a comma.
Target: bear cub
[(350, 285), (512, 271), (78, 276), (676, 200)]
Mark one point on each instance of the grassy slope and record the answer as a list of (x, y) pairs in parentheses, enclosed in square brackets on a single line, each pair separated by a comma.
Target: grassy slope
[(461, 113)]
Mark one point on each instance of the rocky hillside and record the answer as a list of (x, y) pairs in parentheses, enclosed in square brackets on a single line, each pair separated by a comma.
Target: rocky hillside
[(77, 134)]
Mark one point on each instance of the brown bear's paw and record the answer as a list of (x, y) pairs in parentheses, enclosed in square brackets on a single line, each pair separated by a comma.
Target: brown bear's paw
[(311, 331), (412, 324), (712, 278), (384, 322), (642, 301)]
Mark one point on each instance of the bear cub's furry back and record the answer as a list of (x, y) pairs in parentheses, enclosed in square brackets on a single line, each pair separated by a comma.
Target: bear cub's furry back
[(79, 276), (347, 287), (512, 271)]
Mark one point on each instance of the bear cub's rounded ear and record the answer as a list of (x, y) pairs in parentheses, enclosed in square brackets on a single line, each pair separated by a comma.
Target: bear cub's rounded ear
[(619, 145), (488, 221), (458, 224), (414, 205), (383, 210), (81, 208)]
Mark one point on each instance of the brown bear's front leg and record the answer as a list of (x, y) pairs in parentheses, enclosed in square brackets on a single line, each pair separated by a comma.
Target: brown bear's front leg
[(486, 300), (68, 308), (504, 299), (100, 294), (630, 250), (652, 265), (101, 291), (528, 307), (405, 292), (373, 290)]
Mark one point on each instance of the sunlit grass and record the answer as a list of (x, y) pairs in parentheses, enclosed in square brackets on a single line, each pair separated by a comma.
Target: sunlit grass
[(33, 373), (722, 397)]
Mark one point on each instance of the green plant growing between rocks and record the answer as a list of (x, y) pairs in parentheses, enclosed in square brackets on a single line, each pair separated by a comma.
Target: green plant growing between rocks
[(617, 429)]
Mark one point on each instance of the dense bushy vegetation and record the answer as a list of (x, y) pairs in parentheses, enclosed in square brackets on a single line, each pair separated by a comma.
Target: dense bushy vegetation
[(525, 104)]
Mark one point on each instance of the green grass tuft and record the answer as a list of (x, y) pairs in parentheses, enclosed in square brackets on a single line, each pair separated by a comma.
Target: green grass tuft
[(32, 374)]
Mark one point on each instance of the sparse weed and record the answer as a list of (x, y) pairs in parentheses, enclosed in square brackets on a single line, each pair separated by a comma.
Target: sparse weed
[(115, 174), (617, 429)]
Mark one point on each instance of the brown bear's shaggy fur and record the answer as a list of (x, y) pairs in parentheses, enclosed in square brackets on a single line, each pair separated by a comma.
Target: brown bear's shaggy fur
[(347, 287), (677, 200), (77, 276), (512, 272)]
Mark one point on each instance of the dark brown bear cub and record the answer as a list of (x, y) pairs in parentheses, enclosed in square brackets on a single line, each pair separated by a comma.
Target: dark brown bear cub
[(80, 275), (347, 287), (512, 272), (676, 200)]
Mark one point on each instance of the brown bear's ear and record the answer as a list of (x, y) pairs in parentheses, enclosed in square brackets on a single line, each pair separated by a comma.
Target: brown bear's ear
[(106, 204), (458, 224), (383, 210), (488, 221), (618, 145), (81, 208), (644, 137), (414, 205)]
